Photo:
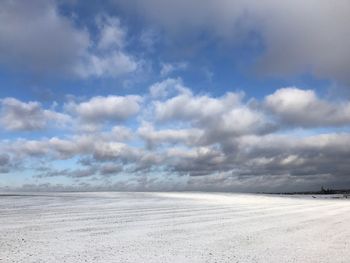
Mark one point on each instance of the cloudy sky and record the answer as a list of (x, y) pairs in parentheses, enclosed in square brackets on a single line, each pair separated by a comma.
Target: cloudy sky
[(224, 95)]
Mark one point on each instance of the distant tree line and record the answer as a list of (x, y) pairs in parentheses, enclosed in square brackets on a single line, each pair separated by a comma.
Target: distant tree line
[(323, 191)]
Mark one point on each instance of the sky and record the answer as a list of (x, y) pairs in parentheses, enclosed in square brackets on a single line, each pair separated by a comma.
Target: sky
[(162, 95)]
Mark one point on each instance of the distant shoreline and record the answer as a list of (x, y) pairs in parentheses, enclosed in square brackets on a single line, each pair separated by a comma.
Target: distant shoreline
[(321, 192)]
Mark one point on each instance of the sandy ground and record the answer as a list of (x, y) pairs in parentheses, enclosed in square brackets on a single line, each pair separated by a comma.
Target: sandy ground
[(172, 227)]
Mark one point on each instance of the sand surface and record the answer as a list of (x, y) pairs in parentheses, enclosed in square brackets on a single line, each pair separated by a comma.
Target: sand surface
[(172, 227)]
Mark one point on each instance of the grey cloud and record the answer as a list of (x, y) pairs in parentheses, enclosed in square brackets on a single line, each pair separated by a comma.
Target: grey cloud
[(197, 161), (53, 148), (296, 107), (314, 155), (16, 115), (294, 43), (133, 183), (112, 35), (99, 109), (258, 183), (92, 148), (183, 16), (171, 136), (185, 106), (268, 161), (87, 171), (73, 173), (35, 37), (217, 118), (290, 30), (109, 59), (321, 158), (111, 64), (116, 151), (4, 163), (200, 140), (58, 148), (120, 133), (82, 172), (167, 87), (4, 159), (110, 169)]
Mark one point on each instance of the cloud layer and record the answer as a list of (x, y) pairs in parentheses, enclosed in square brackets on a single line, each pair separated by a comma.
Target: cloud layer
[(96, 96), (40, 38), (289, 31), (36, 38), (213, 143)]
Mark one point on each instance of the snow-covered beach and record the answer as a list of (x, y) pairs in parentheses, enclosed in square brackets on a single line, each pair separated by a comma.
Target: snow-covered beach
[(172, 227)]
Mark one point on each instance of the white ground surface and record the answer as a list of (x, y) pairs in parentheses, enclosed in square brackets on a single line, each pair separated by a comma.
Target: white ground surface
[(172, 227)]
